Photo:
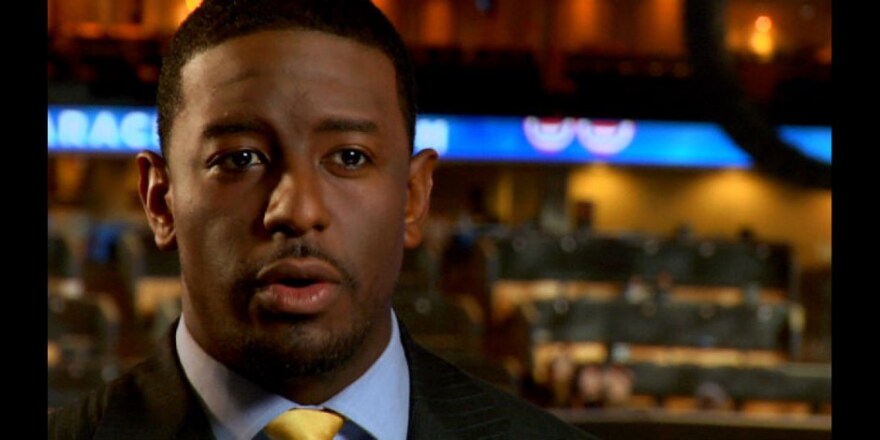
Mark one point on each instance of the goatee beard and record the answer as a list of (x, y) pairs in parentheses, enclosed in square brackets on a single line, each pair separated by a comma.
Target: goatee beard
[(301, 355)]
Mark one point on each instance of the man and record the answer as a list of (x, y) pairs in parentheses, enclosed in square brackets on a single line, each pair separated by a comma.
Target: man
[(288, 186)]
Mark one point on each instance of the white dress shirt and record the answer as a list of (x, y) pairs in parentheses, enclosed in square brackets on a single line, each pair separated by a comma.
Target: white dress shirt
[(375, 406)]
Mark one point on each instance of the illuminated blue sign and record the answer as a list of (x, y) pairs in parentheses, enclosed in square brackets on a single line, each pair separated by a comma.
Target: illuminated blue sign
[(815, 142), (102, 129), (578, 140), (477, 138)]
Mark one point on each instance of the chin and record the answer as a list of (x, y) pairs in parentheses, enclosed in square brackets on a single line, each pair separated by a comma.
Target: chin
[(300, 351)]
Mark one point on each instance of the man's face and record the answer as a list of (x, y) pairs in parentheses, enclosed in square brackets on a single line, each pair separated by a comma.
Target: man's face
[(290, 195)]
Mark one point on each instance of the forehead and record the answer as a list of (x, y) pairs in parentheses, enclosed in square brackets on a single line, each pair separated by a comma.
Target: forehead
[(274, 47), (301, 72)]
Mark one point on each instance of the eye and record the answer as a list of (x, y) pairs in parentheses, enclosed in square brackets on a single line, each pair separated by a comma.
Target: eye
[(238, 160), (350, 159)]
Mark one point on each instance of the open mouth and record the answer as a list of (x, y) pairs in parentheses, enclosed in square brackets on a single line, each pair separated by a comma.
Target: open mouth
[(298, 286), (298, 282), (297, 296)]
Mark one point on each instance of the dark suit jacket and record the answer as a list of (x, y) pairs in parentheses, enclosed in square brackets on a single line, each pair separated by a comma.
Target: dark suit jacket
[(155, 401)]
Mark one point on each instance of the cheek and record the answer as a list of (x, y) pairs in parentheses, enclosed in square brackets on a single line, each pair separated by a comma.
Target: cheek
[(381, 256), (207, 206), (213, 229), (371, 226)]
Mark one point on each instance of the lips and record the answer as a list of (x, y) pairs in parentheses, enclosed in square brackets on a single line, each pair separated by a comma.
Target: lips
[(298, 286)]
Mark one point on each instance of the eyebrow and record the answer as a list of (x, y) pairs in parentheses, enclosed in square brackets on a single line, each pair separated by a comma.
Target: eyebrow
[(219, 129), (336, 125), (340, 125)]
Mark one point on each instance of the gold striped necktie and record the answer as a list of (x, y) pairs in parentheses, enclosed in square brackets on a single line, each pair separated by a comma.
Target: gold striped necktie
[(304, 424)]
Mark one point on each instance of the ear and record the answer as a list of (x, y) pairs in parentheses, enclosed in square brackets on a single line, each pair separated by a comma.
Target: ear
[(154, 188), (418, 198)]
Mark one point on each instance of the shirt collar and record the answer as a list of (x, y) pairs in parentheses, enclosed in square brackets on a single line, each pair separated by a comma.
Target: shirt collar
[(378, 401)]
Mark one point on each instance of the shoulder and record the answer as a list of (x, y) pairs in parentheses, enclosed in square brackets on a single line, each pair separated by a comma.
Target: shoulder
[(529, 421), (153, 400), (449, 400), (82, 419)]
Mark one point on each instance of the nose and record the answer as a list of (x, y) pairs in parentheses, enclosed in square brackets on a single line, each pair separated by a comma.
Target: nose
[(296, 205)]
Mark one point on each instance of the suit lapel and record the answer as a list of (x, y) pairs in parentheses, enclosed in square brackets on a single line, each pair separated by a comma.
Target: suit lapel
[(445, 403), (157, 402)]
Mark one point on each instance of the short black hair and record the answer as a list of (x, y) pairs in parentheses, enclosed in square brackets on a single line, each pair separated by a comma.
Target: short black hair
[(216, 21)]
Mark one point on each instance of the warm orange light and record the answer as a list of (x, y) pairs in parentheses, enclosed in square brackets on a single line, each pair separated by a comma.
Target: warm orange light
[(382, 5), (763, 24), (761, 41), (181, 11), (438, 23), (762, 45), (193, 4), (584, 25)]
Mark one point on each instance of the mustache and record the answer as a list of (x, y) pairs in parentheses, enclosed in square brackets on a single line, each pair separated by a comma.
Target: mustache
[(294, 249)]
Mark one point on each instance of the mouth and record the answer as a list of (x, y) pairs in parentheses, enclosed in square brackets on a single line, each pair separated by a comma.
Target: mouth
[(297, 283), (298, 286)]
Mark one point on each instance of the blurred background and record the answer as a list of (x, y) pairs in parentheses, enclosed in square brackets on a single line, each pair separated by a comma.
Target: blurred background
[(631, 223)]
